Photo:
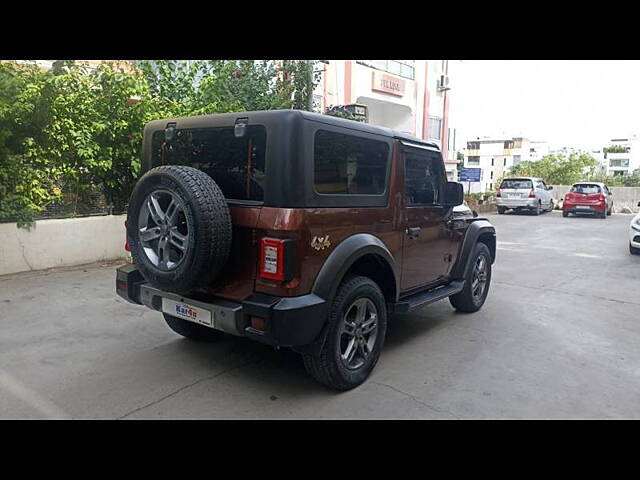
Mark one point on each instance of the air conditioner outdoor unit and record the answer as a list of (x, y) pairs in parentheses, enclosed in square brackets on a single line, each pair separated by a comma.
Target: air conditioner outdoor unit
[(443, 83)]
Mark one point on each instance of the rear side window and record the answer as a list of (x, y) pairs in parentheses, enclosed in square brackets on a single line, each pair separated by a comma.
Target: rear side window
[(346, 164), (516, 183), (236, 164), (585, 189), (423, 177)]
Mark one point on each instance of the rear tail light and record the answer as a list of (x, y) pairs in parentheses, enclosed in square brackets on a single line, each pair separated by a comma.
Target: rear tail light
[(498, 192), (276, 259), (532, 194), (602, 198), (127, 247)]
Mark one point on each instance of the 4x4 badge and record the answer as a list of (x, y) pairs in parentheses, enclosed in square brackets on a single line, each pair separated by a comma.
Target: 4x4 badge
[(320, 243)]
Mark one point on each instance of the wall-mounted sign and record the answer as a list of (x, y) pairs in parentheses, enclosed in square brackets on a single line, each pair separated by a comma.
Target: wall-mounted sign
[(470, 174), (387, 83)]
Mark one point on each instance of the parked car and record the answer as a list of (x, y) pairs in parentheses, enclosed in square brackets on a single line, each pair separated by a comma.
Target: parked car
[(634, 235), (299, 230), (463, 210), (524, 193), (588, 197)]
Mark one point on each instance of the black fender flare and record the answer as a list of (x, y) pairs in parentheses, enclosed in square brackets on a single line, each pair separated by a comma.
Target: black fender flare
[(336, 266), (477, 228), (344, 256)]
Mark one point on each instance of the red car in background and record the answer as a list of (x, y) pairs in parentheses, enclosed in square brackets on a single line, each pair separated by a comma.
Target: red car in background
[(588, 197)]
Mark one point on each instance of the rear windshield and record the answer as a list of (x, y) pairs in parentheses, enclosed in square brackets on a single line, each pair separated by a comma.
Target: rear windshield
[(236, 164), (516, 183), (586, 189)]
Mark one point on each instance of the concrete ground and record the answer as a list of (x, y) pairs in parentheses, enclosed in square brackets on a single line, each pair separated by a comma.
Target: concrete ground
[(557, 338)]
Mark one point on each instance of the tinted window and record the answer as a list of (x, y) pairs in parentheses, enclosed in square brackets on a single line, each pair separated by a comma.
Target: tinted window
[(516, 183), (585, 189), (236, 164), (423, 177), (345, 164)]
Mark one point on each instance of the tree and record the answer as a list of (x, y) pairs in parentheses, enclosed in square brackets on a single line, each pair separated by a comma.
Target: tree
[(70, 130), (557, 169)]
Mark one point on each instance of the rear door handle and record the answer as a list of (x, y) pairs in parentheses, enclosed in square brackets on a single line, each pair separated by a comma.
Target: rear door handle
[(413, 232)]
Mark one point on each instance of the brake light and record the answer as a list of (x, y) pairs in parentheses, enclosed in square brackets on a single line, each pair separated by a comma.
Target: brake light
[(602, 198), (532, 194), (127, 247), (272, 252)]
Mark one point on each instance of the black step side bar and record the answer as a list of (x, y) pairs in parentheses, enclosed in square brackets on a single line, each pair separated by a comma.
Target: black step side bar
[(421, 299)]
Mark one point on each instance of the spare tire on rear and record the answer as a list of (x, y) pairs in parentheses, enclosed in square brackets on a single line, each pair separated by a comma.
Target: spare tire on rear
[(179, 228)]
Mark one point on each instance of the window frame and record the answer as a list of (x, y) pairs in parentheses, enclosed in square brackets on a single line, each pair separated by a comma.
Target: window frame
[(443, 174), (313, 199)]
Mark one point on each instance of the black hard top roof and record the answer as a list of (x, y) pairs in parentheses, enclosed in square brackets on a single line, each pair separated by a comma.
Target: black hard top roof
[(267, 116)]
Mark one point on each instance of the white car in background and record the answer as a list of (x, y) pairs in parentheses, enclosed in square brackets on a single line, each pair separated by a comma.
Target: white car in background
[(634, 235)]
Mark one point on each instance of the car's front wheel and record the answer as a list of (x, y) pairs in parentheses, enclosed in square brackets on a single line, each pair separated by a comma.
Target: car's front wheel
[(476, 281), (357, 327), (634, 250)]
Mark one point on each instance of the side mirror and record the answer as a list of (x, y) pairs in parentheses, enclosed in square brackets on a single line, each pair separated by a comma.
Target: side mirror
[(453, 194), (475, 214), (550, 187)]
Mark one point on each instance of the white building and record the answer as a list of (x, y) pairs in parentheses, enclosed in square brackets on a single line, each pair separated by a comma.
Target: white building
[(496, 156), (411, 96), (624, 158)]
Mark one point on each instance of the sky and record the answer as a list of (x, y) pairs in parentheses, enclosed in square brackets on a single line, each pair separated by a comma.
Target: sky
[(581, 104)]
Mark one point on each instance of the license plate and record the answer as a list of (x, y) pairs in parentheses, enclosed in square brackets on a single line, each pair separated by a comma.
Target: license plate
[(582, 207), (513, 195), (187, 312)]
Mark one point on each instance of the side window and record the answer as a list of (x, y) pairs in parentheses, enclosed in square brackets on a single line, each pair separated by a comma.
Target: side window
[(540, 185), (423, 177), (346, 164)]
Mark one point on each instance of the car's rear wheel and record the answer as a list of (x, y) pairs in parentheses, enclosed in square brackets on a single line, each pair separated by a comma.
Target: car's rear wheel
[(610, 211), (538, 209), (192, 330), (501, 210), (476, 281), (356, 326), (565, 214), (604, 213)]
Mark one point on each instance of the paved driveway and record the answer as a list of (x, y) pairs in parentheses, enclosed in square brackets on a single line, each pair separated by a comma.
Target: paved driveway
[(557, 338)]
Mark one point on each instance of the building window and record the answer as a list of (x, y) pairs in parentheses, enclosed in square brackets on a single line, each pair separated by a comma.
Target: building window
[(402, 68), (473, 160), (473, 145), (508, 144), (435, 126), (516, 160), (619, 162), (346, 164)]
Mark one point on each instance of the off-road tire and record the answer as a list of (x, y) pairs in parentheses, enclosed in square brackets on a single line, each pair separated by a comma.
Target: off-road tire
[(634, 250), (326, 366), (191, 330), (209, 225), (465, 301)]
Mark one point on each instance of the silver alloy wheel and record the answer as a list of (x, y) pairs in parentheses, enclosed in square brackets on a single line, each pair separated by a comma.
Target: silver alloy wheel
[(358, 333), (479, 277), (163, 229)]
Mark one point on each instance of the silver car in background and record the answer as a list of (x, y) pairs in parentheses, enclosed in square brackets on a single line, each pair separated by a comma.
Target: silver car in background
[(524, 193)]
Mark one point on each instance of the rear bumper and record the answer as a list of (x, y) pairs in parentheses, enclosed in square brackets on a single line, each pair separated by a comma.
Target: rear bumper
[(516, 202), (583, 208), (288, 321)]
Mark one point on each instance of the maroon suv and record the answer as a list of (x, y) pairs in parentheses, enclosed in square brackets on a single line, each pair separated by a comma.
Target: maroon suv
[(299, 230)]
